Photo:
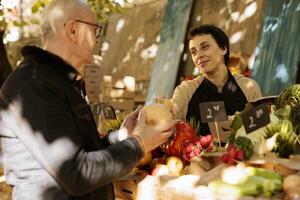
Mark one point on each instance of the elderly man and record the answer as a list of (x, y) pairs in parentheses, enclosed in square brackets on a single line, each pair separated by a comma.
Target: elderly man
[(50, 142)]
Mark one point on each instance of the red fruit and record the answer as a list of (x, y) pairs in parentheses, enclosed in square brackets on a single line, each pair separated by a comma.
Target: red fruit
[(183, 132), (225, 158), (187, 147), (210, 147), (240, 155), (186, 158), (191, 155), (189, 150), (209, 137), (205, 141), (196, 151), (232, 153), (230, 147), (197, 142), (231, 161)]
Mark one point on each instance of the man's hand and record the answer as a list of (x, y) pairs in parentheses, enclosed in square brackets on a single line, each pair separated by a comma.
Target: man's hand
[(152, 137), (130, 120), (128, 125)]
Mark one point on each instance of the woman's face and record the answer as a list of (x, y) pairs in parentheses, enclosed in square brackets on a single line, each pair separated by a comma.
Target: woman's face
[(206, 53)]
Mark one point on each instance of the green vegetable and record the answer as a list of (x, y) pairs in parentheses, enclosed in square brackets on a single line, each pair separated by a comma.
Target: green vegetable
[(113, 124), (285, 139), (224, 189), (235, 125), (284, 148), (296, 119), (288, 106), (195, 124), (248, 181), (254, 171), (290, 96), (245, 144), (266, 186), (269, 181)]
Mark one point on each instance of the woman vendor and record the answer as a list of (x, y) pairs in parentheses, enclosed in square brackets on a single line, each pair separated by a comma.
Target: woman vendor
[(209, 48)]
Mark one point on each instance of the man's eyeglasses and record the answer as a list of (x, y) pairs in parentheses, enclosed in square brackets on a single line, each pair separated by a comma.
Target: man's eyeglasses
[(97, 26)]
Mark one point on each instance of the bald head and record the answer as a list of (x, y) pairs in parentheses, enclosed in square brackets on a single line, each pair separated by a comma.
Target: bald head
[(69, 29), (59, 12)]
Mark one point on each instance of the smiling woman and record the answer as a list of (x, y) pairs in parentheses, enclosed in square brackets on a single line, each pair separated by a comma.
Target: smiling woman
[(209, 48), (50, 142)]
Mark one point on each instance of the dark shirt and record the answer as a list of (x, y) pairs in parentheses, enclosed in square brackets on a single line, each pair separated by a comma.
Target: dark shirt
[(49, 139)]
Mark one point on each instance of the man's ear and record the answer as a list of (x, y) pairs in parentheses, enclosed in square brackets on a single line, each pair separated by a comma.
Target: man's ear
[(71, 30)]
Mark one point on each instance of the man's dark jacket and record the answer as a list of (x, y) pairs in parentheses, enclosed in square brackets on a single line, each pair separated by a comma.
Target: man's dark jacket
[(49, 139)]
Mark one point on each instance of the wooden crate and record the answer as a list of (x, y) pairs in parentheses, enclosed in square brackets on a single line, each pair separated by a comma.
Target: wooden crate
[(125, 189), (282, 166)]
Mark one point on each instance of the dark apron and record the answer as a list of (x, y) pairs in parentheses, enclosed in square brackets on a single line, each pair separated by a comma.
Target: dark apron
[(232, 95)]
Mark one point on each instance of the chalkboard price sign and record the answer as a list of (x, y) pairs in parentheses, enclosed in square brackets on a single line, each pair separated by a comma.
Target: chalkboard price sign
[(104, 109), (212, 111), (256, 118)]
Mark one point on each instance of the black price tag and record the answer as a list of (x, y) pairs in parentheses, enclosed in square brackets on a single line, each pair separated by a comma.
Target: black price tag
[(212, 111), (104, 109), (109, 112), (256, 118)]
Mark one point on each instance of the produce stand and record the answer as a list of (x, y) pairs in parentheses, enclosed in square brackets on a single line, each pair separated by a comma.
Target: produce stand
[(259, 160), (167, 187)]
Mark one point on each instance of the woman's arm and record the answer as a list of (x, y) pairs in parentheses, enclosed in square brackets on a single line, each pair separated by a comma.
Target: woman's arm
[(182, 96), (249, 87)]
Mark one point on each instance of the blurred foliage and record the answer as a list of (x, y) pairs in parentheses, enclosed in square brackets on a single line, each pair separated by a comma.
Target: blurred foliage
[(2, 20), (38, 5), (103, 9)]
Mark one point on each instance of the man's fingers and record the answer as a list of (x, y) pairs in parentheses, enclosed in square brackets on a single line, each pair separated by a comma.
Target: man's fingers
[(142, 116), (134, 114), (130, 120)]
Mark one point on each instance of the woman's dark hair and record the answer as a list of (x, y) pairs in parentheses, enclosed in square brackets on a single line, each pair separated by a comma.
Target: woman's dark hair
[(219, 36)]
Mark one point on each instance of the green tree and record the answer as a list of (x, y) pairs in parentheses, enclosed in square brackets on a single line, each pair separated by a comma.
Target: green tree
[(103, 8)]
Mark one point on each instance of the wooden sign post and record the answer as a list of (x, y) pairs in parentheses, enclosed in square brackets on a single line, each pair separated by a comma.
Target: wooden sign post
[(213, 112)]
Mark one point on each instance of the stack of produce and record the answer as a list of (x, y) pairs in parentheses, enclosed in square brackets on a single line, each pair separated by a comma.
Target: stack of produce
[(287, 106), (180, 149), (186, 144), (246, 181), (282, 133), (241, 149)]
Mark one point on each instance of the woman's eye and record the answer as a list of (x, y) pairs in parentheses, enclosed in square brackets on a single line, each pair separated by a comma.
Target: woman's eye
[(205, 47), (193, 52)]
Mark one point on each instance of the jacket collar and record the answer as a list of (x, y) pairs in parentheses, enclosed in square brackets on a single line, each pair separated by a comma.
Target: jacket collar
[(227, 86), (51, 60)]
